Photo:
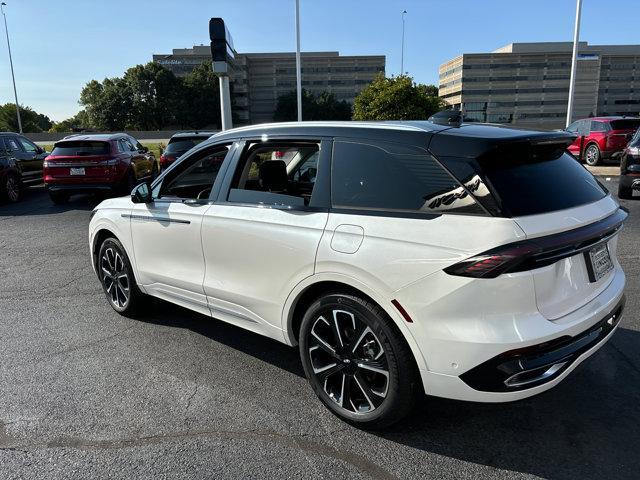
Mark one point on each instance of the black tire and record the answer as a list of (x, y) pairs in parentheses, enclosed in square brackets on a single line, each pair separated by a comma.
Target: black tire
[(10, 188), (592, 155), (625, 192), (116, 276), (59, 198), (359, 334)]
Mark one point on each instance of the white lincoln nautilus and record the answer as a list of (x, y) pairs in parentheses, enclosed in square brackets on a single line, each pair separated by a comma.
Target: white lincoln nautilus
[(471, 261)]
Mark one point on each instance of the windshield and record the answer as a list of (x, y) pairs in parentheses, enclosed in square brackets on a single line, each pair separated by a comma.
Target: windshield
[(79, 148)]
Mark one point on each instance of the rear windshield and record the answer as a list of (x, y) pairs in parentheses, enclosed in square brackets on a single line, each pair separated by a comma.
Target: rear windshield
[(625, 124), (80, 148), (533, 187), (183, 144)]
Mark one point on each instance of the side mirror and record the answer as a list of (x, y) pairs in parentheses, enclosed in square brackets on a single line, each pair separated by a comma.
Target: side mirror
[(141, 194), (144, 150), (39, 149)]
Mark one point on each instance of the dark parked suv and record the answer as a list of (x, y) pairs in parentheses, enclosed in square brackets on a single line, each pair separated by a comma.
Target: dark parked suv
[(20, 164), (107, 163), (630, 168), (180, 144)]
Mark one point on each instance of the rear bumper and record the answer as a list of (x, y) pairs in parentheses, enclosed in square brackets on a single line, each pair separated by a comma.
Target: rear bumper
[(559, 345)]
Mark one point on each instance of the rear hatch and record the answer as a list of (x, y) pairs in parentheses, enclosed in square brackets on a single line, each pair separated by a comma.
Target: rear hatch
[(569, 220), (621, 132), (80, 159)]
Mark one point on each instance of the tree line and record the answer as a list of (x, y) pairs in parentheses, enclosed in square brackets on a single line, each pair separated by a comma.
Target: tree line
[(151, 97)]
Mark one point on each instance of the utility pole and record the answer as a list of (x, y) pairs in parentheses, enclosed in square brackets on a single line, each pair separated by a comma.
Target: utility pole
[(298, 66), (574, 62), (13, 77), (404, 12)]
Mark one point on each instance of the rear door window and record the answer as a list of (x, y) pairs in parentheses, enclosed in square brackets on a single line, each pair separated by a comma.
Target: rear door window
[(387, 176), (80, 148)]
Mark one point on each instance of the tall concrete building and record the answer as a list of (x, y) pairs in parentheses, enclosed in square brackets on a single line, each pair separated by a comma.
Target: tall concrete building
[(528, 83), (258, 79)]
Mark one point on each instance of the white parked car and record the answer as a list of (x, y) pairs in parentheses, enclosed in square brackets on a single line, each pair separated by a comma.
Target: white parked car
[(406, 258)]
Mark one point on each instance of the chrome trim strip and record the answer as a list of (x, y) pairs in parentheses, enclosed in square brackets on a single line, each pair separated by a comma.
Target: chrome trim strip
[(149, 218)]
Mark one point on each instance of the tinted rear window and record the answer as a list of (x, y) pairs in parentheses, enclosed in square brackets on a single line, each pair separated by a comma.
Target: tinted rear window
[(533, 187), (625, 124), (80, 148), (388, 176), (183, 144)]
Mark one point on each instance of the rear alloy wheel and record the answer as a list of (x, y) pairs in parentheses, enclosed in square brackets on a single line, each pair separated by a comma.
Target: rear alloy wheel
[(356, 361), (116, 276), (592, 155), (11, 188)]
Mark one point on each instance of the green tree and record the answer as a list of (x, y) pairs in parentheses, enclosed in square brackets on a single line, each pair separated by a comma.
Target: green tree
[(200, 99), (32, 121), (324, 106), (396, 98), (80, 121), (108, 104)]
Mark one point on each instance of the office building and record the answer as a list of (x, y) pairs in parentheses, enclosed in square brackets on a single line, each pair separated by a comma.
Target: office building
[(528, 83), (258, 79)]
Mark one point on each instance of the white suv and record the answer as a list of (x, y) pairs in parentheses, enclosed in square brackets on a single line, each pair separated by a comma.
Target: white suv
[(473, 262)]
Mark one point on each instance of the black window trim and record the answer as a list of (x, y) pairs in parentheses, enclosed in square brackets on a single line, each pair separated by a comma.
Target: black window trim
[(394, 212), (319, 201)]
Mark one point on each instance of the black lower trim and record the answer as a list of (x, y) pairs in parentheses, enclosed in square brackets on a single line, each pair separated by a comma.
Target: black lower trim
[(82, 188), (530, 363)]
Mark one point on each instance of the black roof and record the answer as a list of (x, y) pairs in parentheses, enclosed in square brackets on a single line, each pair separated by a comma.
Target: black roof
[(466, 140)]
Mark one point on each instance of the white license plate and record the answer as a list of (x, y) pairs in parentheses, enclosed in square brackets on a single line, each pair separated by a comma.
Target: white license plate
[(76, 171), (601, 263)]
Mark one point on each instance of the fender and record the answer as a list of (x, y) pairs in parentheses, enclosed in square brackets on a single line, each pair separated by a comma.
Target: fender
[(384, 301)]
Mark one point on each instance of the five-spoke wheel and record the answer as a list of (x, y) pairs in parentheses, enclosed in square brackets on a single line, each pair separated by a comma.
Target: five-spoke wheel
[(356, 361)]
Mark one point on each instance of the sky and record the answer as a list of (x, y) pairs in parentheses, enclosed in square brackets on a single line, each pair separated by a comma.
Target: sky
[(60, 45)]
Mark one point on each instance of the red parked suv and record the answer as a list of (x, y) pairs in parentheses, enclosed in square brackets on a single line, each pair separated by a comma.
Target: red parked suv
[(601, 138), (112, 163)]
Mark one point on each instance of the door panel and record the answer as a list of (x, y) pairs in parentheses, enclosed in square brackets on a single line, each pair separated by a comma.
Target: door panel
[(255, 257), (168, 251)]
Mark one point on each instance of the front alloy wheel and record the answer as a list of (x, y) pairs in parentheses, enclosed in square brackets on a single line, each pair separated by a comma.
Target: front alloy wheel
[(12, 188), (116, 276), (356, 361)]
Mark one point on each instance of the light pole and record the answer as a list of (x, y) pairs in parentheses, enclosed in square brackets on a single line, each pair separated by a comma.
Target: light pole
[(574, 61), (15, 92), (298, 66), (404, 12)]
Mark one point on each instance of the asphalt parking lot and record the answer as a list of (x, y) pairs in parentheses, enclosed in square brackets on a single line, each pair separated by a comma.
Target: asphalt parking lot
[(86, 393)]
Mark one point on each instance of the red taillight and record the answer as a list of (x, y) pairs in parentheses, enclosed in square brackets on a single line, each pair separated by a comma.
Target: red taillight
[(494, 262), (166, 160), (278, 154)]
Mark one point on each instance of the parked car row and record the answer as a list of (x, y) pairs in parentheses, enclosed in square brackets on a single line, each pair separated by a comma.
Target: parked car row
[(601, 138), (85, 163)]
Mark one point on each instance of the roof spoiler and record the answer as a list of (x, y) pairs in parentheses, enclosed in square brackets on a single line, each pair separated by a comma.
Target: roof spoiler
[(448, 118)]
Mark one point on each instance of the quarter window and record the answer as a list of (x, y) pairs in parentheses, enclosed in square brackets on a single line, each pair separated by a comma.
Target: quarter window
[(276, 174), (386, 176), (12, 144)]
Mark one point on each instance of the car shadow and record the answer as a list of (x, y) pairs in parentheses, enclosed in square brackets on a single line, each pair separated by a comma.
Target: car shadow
[(263, 348), (36, 201), (586, 427)]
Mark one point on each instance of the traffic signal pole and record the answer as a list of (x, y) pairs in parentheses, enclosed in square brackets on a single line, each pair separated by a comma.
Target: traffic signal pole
[(225, 102)]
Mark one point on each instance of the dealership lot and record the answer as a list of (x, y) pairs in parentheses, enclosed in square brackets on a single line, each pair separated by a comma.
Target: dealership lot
[(87, 393)]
